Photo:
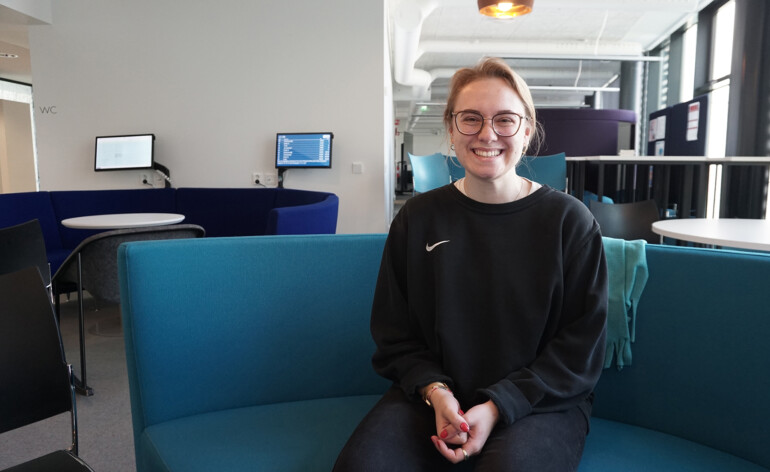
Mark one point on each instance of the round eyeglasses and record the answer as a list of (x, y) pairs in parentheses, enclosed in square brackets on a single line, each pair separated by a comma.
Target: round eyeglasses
[(503, 124)]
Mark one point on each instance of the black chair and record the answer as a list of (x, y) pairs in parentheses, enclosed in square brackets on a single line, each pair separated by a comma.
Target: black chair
[(93, 267), (37, 382), (23, 246), (627, 220)]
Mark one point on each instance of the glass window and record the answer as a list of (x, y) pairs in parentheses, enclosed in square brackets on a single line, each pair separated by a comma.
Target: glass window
[(690, 38), (721, 63), (15, 92), (721, 59), (722, 50), (718, 108)]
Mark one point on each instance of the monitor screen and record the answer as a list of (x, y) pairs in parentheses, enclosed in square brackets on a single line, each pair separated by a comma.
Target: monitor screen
[(303, 150), (124, 152)]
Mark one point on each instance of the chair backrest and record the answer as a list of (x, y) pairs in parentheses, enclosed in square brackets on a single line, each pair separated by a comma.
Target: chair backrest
[(429, 172), (35, 377), (547, 170), (456, 170), (627, 220), (99, 257), (23, 246)]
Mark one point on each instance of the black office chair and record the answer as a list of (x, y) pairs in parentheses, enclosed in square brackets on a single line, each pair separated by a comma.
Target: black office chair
[(93, 266), (627, 220), (36, 380), (23, 246)]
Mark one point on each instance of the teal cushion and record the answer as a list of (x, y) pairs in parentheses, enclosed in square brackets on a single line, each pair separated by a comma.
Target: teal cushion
[(613, 446), (296, 436), (308, 436)]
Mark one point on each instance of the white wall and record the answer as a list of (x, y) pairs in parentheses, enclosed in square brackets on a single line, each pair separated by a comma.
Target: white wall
[(215, 82), (425, 144), (17, 162)]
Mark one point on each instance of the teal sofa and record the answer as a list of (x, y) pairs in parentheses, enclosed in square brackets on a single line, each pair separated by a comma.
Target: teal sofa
[(252, 354), (221, 211)]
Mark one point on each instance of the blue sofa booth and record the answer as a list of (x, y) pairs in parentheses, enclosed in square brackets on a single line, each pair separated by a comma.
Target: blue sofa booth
[(271, 369), (221, 211)]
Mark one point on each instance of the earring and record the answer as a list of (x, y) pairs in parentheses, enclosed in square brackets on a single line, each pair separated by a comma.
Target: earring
[(452, 147)]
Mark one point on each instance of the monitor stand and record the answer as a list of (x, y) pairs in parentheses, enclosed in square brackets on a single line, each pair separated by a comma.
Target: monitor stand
[(164, 172)]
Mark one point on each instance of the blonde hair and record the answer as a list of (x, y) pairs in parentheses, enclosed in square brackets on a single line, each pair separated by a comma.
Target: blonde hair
[(487, 68)]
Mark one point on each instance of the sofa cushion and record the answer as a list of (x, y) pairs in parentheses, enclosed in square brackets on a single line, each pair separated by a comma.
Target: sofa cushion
[(17, 208), (295, 436), (700, 358), (226, 211), (257, 438), (613, 446), (316, 215)]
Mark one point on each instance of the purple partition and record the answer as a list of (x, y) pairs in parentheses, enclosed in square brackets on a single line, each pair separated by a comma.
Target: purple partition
[(586, 132), (582, 131)]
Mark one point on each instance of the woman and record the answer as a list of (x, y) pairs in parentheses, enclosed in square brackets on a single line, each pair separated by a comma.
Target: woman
[(490, 307)]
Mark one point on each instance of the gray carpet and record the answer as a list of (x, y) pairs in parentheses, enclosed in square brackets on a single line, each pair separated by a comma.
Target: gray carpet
[(104, 420)]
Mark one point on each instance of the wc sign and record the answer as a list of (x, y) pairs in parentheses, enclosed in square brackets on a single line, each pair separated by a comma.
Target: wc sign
[(48, 110)]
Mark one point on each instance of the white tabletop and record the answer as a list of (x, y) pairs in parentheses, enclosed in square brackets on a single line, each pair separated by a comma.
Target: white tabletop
[(749, 160), (122, 220), (731, 232), (642, 159)]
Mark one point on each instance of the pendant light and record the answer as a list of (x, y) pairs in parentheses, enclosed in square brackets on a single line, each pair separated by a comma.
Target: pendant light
[(505, 9)]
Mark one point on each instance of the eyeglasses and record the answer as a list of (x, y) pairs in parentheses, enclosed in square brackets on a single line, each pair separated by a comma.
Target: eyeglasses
[(503, 124)]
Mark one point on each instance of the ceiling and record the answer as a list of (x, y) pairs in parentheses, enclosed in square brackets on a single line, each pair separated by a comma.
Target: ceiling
[(564, 49), (14, 40)]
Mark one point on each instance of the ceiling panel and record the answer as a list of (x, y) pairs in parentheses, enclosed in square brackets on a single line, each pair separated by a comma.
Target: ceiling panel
[(562, 44)]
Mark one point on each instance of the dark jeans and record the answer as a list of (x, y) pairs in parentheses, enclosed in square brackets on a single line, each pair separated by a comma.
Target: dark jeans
[(395, 436)]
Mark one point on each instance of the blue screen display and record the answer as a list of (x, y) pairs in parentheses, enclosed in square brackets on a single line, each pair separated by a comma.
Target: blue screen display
[(294, 150)]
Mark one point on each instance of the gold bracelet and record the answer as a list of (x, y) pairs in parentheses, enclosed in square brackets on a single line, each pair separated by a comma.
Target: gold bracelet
[(439, 385)]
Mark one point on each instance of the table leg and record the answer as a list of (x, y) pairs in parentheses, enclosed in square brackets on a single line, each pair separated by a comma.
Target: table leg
[(687, 191), (600, 183)]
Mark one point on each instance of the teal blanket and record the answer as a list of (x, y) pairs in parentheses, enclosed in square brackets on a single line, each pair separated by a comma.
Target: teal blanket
[(627, 272)]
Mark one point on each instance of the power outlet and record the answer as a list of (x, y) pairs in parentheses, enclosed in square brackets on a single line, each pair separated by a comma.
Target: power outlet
[(270, 180), (146, 180), (256, 178)]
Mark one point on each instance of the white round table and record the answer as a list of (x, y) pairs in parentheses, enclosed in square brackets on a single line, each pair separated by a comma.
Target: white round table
[(731, 232), (122, 220)]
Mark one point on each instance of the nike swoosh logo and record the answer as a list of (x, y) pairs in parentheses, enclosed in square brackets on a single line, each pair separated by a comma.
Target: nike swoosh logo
[(430, 247)]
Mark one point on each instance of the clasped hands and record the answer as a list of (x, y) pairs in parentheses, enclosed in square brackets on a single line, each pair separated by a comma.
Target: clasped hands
[(460, 433)]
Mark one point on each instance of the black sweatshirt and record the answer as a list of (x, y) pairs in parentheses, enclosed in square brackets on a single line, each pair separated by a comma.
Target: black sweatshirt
[(506, 302)]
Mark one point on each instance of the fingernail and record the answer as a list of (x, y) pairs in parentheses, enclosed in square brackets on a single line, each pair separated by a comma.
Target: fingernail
[(444, 434), (464, 427), (461, 412)]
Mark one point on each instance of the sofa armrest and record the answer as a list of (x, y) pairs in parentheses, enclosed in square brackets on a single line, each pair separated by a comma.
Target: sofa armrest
[(313, 218), (701, 357), (219, 323)]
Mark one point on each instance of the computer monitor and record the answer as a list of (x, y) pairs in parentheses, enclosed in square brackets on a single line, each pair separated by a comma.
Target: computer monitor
[(303, 150), (124, 152)]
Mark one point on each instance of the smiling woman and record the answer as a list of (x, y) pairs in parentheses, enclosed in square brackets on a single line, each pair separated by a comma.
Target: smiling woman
[(490, 306), (492, 93)]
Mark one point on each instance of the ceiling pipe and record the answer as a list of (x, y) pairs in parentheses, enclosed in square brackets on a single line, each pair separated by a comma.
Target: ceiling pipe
[(407, 27), (542, 49)]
